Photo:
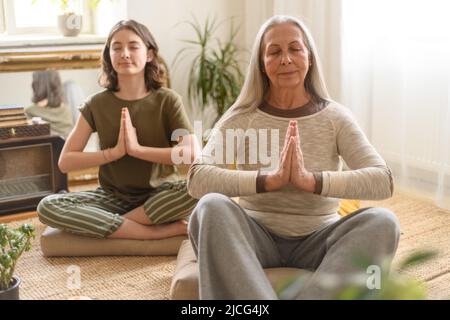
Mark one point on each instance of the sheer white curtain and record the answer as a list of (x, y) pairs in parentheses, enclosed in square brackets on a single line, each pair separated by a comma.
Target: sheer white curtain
[(388, 61), (396, 79)]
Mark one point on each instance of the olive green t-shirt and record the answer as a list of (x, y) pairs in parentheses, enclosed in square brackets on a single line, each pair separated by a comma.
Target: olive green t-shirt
[(155, 117)]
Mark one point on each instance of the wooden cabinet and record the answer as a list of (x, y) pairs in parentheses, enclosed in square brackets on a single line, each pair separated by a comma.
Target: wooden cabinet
[(29, 171)]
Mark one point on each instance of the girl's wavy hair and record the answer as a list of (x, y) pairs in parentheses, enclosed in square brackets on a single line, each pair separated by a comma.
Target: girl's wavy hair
[(154, 73), (47, 85)]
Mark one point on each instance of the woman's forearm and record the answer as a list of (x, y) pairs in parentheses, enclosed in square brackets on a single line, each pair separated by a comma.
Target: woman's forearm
[(169, 156), (373, 183), (78, 160), (203, 179)]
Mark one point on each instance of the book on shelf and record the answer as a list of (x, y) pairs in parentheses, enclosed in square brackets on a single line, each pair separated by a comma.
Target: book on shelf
[(12, 123), (6, 110), (19, 116)]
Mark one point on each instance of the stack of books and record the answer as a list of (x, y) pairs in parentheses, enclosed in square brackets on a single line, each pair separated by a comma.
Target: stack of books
[(12, 115), (14, 123)]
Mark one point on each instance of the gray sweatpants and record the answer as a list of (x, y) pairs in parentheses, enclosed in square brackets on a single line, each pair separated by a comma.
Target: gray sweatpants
[(233, 249)]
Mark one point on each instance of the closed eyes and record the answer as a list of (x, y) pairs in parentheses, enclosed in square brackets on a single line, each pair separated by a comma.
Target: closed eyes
[(276, 52)]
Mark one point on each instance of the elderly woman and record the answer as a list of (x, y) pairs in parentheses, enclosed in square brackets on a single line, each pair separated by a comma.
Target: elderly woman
[(287, 211)]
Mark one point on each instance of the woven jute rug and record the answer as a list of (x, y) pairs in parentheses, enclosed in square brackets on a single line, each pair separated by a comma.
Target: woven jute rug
[(423, 226), (92, 277)]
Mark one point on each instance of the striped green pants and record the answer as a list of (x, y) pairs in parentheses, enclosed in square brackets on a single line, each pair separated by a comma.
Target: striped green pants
[(99, 213)]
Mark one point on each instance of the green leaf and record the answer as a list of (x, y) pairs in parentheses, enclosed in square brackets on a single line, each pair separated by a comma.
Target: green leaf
[(214, 74), (417, 258), (13, 244), (350, 293)]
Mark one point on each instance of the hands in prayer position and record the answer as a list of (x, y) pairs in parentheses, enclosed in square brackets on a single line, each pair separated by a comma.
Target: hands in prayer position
[(127, 142), (291, 168)]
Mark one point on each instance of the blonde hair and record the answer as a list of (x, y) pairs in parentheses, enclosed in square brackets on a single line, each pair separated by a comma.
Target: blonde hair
[(256, 83)]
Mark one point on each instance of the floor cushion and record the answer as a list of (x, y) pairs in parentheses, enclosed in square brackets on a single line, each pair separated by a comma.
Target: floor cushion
[(57, 243), (185, 280), (347, 206)]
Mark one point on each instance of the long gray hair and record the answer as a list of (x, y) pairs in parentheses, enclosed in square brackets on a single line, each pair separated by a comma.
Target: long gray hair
[(256, 83), (47, 85)]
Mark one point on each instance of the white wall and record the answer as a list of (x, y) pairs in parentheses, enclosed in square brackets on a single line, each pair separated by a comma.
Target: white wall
[(165, 21), (164, 18)]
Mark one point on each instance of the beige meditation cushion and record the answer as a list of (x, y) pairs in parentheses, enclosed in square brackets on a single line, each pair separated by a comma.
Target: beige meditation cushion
[(57, 243), (185, 280)]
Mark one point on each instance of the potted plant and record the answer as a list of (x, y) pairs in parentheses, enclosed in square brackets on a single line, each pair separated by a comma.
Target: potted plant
[(13, 243), (215, 77)]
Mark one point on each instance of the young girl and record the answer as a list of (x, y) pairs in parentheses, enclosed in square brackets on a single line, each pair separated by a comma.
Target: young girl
[(141, 196), (48, 102)]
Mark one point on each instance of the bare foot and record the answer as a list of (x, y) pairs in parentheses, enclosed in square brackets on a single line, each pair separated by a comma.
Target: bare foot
[(181, 226), (171, 229)]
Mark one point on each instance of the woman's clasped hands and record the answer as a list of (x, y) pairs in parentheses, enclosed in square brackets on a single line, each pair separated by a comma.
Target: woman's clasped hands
[(291, 168)]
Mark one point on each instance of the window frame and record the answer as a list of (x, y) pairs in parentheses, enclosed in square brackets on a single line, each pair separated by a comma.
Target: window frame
[(41, 58), (10, 26), (2, 18)]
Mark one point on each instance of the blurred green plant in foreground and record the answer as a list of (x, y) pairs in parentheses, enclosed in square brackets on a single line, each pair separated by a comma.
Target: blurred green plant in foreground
[(371, 283)]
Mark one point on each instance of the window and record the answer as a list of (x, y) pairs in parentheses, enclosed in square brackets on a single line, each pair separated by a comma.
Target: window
[(19, 17), (396, 78), (26, 17)]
